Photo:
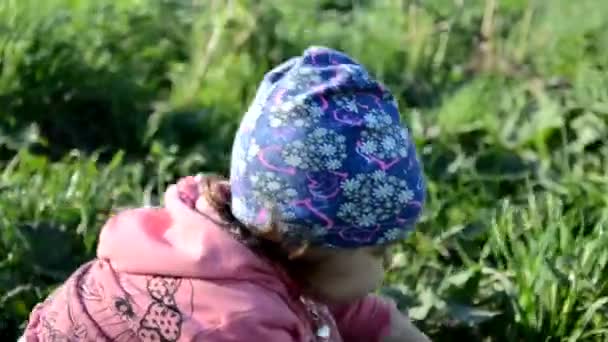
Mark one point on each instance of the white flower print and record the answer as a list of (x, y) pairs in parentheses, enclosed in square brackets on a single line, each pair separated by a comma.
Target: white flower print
[(253, 151), (333, 164), (315, 111), (328, 150), (240, 166), (269, 187), (298, 144), (293, 160), (299, 232), (314, 80), (294, 112), (287, 214), (242, 210), (369, 147), (357, 74), (373, 198), (239, 163), (305, 71), (351, 185), (384, 191), (348, 208), (253, 114), (389, 143), (367, 220), (378, 175), (387, 119), (377, 119), (302, 80), (371, 119), (393, 234), (403, 152), (296, 108), (352, 106), (299, 100), (318, 231), (273, 186), (287, 106), (320, 132), (290, 83), (384, 140), (321, 150), (348, 103), (276, 122), (238, 205), (405, 196)]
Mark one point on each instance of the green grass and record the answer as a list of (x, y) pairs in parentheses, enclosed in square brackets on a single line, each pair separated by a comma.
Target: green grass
[(103, 103)]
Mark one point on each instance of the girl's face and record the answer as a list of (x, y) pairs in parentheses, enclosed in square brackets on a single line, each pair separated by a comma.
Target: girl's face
[(343, 275)]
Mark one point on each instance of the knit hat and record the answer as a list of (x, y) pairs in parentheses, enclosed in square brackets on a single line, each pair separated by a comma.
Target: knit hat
[(323, 147)]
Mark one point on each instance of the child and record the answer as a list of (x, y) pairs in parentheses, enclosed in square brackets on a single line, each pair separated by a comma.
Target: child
[(323, 179)]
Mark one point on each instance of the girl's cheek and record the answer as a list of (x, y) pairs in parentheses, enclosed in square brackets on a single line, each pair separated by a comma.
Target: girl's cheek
[(374, 273), (381, 269)]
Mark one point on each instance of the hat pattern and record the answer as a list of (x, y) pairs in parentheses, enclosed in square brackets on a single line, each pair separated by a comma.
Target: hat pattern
[(322, 145)]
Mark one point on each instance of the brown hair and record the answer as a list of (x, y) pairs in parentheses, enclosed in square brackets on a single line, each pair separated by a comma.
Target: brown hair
[(266, 242)]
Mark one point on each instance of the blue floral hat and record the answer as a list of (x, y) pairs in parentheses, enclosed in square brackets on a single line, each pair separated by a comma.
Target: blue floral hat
[(322, 145)]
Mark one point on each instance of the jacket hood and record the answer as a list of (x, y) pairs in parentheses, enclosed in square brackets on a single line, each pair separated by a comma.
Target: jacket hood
[(180, 240)]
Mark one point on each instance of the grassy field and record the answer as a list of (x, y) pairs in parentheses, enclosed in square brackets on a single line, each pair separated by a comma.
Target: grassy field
[(103, 103)]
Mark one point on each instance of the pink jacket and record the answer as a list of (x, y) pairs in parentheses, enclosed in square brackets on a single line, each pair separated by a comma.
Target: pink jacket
[(170, 274)]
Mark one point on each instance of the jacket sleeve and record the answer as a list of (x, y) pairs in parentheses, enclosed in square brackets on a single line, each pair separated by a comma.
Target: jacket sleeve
[(368, 319), (253, 327)]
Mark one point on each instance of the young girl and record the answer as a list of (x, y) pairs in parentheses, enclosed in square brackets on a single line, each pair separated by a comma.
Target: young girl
[(323, 180)]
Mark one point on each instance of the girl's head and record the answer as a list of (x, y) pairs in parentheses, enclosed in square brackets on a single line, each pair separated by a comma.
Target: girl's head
[(332, 274), (322, 157)]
